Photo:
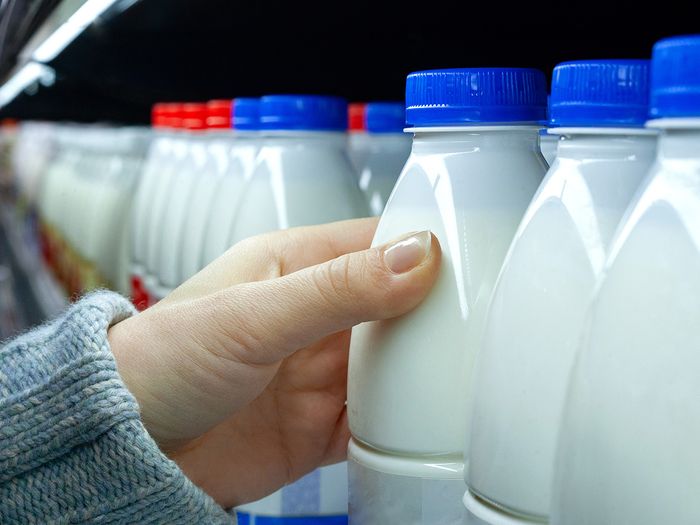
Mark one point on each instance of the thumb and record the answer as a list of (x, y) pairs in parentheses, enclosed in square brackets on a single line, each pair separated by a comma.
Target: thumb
[(268, 320)]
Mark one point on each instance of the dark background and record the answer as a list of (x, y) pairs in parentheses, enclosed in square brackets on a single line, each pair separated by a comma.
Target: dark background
[(158, 50)]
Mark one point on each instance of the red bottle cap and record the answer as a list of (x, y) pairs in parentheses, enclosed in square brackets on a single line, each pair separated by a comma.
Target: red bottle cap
[(172, 115), (356, 116), (194, 116), (219, 114)]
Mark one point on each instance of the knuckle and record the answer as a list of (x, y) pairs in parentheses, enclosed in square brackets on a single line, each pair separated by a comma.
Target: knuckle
[(236, 333), (333, 280)]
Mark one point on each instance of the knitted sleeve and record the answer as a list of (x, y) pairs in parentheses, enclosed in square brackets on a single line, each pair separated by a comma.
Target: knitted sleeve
[(72, 446)]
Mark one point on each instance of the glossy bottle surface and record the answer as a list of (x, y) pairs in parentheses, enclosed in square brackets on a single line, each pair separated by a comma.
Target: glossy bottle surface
[(628, 446), (409, 377), (165, 188), (537, 311), (299, 179), (224, 206), (212, 169), (384, 156)]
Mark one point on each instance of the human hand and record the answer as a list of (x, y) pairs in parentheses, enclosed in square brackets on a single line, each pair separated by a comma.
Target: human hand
[(241, 372)]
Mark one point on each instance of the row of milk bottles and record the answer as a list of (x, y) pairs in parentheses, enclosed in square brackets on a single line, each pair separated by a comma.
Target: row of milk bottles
[(555, 365), (120, 206), (218, 173), (81, 180), (551, 366)]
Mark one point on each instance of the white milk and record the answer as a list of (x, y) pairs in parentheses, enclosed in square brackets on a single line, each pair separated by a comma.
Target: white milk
[(208, 182), (55, 192), (187, 177), (123, 171), (157, 157), (539, 302), (409, 378), (81, 207), (164, 188), (378, 149), (225, 203), (302, 176), (537, 311), (444, 188), (241, 159), (628, 449), (386, 157), (87, 212)]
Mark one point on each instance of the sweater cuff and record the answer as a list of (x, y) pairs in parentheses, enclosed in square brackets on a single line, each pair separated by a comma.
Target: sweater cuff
[(72, 445)]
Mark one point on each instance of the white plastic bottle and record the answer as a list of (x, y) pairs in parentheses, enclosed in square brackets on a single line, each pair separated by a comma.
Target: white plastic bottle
[(76, 205), (162, 199), (156, 160), (52, 195), (245, 122), (92, 195), (124, 168), (598, 109), (474, 166), (358, 142), (185, 183), (218, 142), (628, 449), (302, 173), (302, 176), (379, 150)]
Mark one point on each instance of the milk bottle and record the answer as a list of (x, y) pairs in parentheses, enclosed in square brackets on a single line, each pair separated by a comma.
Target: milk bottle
[(156, 160), (185, 181), (380, 151), (358, 141), (164, 189), (302, 176), (75, 205), (598, 109), (628, 449), (245, 122), (123, 169), (85, 210), (548, 141), (219, 140), (474, 166), (52, 195)]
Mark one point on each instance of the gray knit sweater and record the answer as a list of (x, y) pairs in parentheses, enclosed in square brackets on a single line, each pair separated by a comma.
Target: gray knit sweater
[(72, 446)]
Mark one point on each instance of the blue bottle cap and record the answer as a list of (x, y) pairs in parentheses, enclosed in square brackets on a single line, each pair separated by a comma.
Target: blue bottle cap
[(385, 117), (245, 114), (675, 77), (454, 97), (303, 112), (600, 93)]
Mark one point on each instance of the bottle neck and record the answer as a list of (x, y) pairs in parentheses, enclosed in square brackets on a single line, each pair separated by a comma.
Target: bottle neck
[(679, 144), (310, 138), (591, 146), (493, 138)]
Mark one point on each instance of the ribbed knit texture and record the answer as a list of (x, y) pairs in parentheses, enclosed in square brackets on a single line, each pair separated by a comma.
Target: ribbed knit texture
[(72, 446)]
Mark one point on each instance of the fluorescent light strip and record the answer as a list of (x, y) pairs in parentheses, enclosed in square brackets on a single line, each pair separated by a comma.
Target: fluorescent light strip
[(70, 29), (23, 78)]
